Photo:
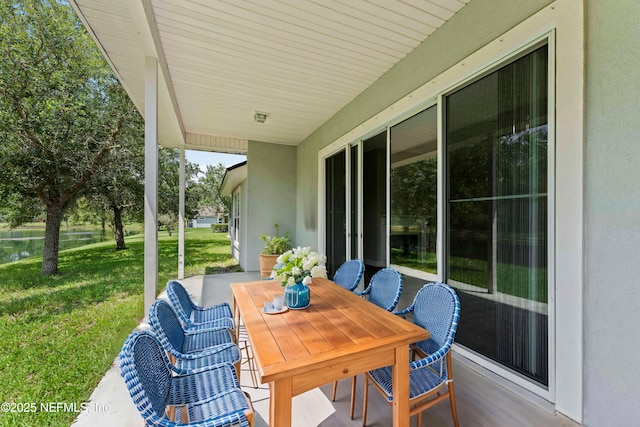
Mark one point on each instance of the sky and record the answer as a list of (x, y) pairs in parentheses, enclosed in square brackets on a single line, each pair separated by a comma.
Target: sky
[(204, 158)]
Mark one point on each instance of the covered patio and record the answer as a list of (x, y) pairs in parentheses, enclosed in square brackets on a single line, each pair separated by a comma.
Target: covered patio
[(308, 89), (483, 399)]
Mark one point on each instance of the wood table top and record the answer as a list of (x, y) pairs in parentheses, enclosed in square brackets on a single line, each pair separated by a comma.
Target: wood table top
[(337, 324)]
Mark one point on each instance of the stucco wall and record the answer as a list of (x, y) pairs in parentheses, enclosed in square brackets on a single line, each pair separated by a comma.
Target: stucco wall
[(270, 191), (612, 214), (485, 23), (458, 38)]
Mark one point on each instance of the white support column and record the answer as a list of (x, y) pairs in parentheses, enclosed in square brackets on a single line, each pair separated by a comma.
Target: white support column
[(181, 217), (150, 183)]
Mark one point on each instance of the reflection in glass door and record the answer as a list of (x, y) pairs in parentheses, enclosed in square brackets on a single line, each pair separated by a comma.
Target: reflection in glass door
[(374, 204), (336, 211), (497, 144), (414, 194)]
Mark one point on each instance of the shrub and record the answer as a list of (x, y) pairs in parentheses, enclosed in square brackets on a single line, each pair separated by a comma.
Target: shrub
[(220, 228)]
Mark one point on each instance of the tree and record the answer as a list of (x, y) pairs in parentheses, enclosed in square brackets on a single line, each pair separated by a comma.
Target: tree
[(62, 112), (117, 189), (169, 184), (212, 182)]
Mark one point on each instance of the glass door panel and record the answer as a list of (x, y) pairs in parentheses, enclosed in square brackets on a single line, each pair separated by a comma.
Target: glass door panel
[(413, 191), (354, 230), (336, 211), (497, 144), (374, 204)]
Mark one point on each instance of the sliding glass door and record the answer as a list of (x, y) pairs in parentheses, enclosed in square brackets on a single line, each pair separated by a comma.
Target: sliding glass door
[(497, 146), (470, 209)]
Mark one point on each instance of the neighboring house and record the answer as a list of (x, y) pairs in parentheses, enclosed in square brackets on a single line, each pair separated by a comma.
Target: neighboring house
[(495, 152), (206, 217)]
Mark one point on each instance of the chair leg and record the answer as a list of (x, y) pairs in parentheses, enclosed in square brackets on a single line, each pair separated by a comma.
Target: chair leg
[(249, 413), (353, 396), (452, 400), (335, 389), (244, 346), (452, 397), (365, 400), (251, 366)]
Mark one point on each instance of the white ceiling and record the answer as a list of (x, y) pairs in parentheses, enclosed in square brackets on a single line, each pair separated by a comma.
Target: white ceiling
[(300, 61)]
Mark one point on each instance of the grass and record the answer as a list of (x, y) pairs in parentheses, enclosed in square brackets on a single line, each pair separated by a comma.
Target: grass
[(512, 279), (60, 334)]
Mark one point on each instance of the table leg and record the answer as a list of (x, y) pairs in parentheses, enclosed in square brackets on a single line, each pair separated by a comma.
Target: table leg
[(236, 319), (280, 402), (400, 383)]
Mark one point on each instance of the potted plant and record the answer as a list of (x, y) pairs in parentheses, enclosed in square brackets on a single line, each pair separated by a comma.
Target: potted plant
[(274, 246)]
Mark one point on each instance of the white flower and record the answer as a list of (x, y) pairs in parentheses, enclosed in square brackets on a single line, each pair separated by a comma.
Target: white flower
[(299, 265), (319, 271), (310, 262)]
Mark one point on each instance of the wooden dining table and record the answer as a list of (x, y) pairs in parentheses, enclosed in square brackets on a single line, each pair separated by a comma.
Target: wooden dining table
[(339, 335)]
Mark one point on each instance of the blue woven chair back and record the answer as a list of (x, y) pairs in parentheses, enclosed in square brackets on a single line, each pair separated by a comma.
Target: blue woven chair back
[(386, 287), (437, 309), (165, 323), (146, 374), (180, 300), (349, 274)]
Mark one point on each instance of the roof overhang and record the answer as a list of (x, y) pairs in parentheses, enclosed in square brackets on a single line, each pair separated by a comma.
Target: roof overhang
[(221, 62), (233, 177)]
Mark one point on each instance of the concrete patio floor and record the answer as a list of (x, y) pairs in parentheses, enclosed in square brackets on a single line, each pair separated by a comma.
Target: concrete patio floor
[(482, 398)]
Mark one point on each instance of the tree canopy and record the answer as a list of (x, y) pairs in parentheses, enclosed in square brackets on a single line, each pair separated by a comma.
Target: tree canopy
[(63, 114)]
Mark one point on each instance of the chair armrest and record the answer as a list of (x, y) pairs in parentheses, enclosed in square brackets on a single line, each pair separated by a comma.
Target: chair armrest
[(432, 358), (403, 312), (196, 342), (202, 385), (236, 409), (210, 352), (221, 323), (367, 291)]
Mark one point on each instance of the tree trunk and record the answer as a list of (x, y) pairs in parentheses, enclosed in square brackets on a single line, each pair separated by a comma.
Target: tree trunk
[(51, 240), (118, 232)]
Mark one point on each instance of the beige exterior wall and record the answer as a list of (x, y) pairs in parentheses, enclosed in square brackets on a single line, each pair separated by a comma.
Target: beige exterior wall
[(612, 214), (458, 38), (447, 52), (269, 193)]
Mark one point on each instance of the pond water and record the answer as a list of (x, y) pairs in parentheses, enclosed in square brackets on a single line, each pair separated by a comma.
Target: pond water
[(24, 243)]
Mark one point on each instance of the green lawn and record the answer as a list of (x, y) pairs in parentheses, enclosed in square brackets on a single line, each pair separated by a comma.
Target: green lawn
[(512, 279), (59, 335)]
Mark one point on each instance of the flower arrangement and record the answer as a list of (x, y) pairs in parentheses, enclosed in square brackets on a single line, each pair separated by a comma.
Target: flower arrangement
[(299, 265)]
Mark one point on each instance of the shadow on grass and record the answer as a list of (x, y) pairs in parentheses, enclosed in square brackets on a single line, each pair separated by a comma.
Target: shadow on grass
[(42, 306), (219, 270)]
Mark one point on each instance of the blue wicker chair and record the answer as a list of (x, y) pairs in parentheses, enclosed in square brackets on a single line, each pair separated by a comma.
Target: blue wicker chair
[(192, 314), (208, 397), (349, 274), (191, 349), (384, 290), (436, 308)]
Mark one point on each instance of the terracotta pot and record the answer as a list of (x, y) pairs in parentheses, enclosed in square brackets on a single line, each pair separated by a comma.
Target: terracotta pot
[(267, 262)]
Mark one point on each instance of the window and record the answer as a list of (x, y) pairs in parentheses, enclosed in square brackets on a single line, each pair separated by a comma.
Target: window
[(235, 225)]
